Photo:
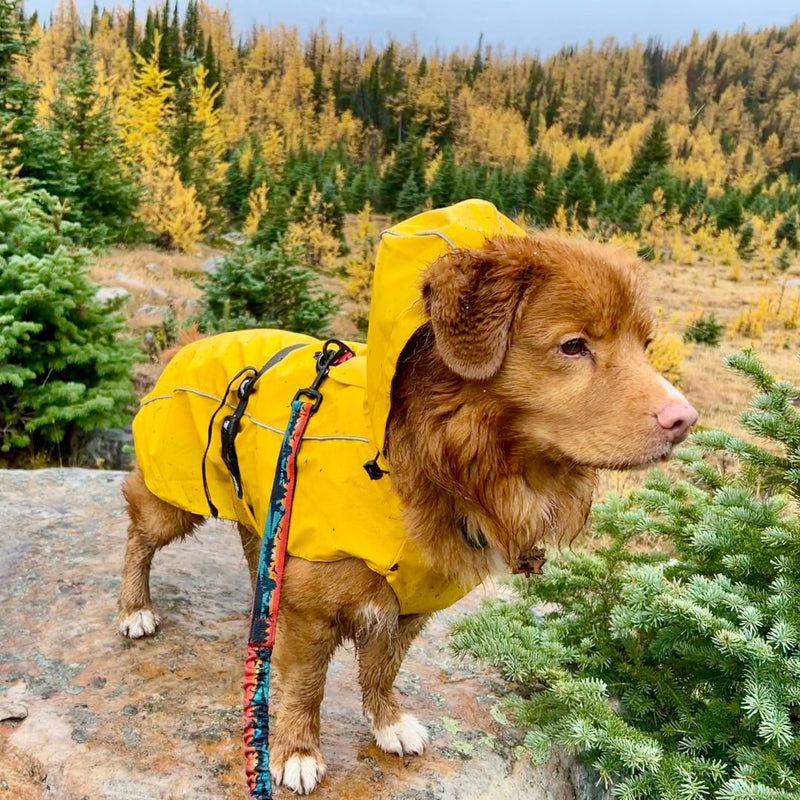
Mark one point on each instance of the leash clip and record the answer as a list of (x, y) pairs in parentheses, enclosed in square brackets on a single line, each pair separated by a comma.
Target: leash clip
[(333, 352)]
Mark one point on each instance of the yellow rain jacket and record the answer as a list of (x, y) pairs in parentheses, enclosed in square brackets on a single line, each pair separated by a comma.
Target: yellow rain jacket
[(338, 511)]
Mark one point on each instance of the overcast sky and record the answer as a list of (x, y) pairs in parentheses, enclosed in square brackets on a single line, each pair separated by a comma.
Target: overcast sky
[(535, 26)]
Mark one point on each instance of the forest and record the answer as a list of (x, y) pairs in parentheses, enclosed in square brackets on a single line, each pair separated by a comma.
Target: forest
[(156, 124), (156, 128)]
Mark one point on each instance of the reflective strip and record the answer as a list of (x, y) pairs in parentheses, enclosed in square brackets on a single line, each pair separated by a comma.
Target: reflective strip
[(153, 399), (218, 400), (390, 232)]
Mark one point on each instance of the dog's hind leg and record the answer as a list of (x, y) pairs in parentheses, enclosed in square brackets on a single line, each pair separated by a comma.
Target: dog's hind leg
[(380, 653), (153, 524)]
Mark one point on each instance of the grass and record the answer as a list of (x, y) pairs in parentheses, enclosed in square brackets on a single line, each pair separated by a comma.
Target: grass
[(681, 293)]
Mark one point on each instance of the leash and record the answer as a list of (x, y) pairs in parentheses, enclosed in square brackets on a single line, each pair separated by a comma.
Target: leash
[(269, 579)]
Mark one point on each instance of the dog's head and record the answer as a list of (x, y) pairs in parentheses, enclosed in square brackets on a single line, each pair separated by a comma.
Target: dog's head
[(556, 330)]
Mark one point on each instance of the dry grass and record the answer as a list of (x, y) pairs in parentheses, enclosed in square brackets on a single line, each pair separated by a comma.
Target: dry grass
[(681, 292), (152, 276), (163, 293)]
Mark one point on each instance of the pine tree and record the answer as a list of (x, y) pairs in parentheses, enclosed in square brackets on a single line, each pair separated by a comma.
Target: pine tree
[(26, 146), (197, 139), (270, 287), (191, 31), (145, 114), (536, 177), (578, 193), (408, 163), (63, 365), (443, 184), (786, 232), (17, 97), (362, 187), (147, 46), (595, 177), (411, 198), (655, 153), (104, 197), (130, 27), (675, 672)]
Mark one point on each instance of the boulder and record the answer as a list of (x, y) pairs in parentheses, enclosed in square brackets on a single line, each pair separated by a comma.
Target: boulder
[(89, 714), (111, 294)]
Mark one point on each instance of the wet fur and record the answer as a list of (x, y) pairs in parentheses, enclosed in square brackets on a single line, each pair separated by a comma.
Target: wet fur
[(493, 433)]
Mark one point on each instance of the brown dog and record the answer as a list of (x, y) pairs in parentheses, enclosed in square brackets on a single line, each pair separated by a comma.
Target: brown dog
[(529, 375)]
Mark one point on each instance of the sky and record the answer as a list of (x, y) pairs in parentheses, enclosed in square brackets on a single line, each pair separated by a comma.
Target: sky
[(537, 27)]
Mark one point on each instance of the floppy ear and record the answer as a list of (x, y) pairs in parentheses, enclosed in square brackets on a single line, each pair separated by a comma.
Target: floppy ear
[(472, 297)]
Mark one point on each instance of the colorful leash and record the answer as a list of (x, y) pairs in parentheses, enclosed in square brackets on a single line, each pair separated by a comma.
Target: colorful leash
[(269, 579)]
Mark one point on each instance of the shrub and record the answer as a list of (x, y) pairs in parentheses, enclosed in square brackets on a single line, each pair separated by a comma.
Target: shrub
[(704, 330), (666, 353), (677, 674), (258, 287), (63, 366)]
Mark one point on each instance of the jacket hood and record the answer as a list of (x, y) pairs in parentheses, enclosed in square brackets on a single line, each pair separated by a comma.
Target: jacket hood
[(397, 310)]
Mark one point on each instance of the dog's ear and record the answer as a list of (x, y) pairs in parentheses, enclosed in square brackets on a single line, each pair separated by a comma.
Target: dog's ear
[(472, 297)]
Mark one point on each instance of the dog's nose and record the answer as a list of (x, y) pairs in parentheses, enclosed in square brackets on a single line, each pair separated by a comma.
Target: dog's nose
[(677, 418)]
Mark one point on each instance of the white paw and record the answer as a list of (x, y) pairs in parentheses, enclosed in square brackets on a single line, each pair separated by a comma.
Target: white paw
[(139, 623), (406, 736), (301, 774)]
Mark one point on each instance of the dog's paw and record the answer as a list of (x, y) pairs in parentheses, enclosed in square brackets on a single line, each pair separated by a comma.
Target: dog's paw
[(406, 736), (139, 623), (300, 773)]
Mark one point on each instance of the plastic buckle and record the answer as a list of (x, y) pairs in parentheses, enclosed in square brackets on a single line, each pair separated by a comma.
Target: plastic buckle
[(230, 429), (373, 469), (311, 393)]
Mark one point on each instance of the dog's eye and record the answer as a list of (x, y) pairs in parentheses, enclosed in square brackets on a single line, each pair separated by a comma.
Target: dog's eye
[(575, 347)]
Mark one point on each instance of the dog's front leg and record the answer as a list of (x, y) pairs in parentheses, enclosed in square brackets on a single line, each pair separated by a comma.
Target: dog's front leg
[(381, 649), (303, 648)]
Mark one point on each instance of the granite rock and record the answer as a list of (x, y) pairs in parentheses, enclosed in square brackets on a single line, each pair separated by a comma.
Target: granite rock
[(90, 715)]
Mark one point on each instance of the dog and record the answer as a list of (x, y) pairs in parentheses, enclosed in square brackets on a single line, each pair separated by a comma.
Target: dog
[(503, 369)]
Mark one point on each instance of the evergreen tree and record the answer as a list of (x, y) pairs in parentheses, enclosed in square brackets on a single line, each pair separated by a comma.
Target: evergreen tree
[(786, 232), (411, 198), (102, 196), (246, 171), (654, 153), (213, 71), (258, 287), (333, 205), (94, 20), (130, 27), (729, 212), (409, 161), (443, 184), (594, 177), (17, 98), (25, 145), (578, 192), (362, 188), (535, 180), (147, 46), (63, 366), (273, 226), (191, 31), (675, 672)]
